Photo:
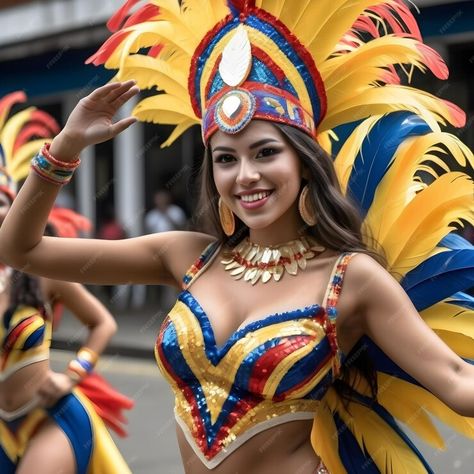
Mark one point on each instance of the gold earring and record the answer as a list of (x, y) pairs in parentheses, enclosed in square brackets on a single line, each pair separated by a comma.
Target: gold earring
[(227, 219), (306, 207)]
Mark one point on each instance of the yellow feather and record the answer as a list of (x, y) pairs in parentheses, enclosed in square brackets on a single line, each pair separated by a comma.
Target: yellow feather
[(163, 108), (151, 72), (426, 220), (378, 53), (11, 130), (19, 166), (272, 6), (291, 13), (391, 196), (462, 345), (345, 158), (379, 440), (178, 130), (450, 317), (333, 18), (389, 98), (433, 405), (392, 397), (324, 438)]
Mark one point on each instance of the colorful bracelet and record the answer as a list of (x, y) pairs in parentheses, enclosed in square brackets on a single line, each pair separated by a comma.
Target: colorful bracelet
[(51, 169), (82, 365)]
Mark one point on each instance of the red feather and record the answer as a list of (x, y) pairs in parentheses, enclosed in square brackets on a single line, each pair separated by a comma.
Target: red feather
[(107, 49), (147, 12), (108, 402), (9, 100), (118, 17)]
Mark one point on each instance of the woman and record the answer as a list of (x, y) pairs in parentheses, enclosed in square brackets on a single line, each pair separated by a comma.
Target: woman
[(266, 348), (47, 424)]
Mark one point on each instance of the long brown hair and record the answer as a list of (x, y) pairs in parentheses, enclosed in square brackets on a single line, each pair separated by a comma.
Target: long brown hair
[(339, 223)]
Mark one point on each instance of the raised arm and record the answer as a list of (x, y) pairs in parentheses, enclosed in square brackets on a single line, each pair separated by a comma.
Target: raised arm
[(387, 316), (22, 245)]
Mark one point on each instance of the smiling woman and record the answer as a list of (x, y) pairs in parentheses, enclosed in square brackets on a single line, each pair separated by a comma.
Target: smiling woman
[(290, 348)]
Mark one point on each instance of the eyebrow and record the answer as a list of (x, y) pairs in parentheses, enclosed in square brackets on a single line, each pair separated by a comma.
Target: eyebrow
[(252, 146)]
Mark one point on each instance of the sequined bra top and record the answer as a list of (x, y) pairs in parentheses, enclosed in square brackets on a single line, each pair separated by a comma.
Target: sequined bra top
[(271, 371), (25, 337)]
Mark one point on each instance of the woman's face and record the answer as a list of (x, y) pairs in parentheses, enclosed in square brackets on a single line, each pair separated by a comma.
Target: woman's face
[(257, 174), (5, 205)]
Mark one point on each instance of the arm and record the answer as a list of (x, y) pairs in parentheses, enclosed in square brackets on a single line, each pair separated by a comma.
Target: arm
[(148, 259), (387, 316), (93, 314)]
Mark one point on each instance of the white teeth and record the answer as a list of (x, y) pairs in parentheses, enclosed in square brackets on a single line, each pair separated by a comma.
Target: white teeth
[(255, 197)]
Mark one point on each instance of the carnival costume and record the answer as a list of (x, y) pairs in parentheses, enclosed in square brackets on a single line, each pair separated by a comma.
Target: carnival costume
[(330, 69), (25, 332)]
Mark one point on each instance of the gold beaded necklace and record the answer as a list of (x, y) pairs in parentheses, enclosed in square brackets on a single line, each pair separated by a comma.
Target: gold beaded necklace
[(253, 262)]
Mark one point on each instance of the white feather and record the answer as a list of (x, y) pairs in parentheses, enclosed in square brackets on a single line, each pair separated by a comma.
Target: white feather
[(236, 58)]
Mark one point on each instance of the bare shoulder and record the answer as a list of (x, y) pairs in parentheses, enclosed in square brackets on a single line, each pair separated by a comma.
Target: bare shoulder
[(178, 250), (361, 285), (370, 283)]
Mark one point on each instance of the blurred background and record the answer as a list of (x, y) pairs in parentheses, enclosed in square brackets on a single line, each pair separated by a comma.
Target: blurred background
[(130, 186)]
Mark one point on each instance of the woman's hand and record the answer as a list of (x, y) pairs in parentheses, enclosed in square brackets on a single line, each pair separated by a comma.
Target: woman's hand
[(54, 387), (91, 120)]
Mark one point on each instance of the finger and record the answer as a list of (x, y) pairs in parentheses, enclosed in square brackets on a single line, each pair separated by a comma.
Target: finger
[(104, 90), (121, 125), (125, 96), (116, 93)]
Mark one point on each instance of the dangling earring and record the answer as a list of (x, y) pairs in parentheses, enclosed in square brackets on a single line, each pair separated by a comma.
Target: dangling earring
[(227, 218), (306, 207)]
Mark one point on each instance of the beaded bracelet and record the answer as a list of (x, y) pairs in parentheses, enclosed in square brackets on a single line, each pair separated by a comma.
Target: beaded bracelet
[(82, 365), (51, 169)]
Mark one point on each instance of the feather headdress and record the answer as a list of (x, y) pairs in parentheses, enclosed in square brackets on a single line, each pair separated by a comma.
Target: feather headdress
[(21, 135), (334, 70)]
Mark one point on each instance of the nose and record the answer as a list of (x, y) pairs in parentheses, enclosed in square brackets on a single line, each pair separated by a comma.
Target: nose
[(248, 173)]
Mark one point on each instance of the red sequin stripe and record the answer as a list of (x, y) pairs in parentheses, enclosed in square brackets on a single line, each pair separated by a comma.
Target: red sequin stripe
[(15, 334), (199, 431), (193, 94), (268, 361), (302, 51), (336, 286), (268, 61)]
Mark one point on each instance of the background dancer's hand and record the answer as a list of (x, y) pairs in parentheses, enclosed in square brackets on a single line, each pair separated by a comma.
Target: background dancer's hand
[(90, 122), (54, 387)]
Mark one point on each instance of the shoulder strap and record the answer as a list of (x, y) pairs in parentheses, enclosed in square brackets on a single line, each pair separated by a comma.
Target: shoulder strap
[(336, 279), (206, 257)]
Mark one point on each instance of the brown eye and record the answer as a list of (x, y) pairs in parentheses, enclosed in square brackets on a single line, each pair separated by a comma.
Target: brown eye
[(224, 158), (267, 152)]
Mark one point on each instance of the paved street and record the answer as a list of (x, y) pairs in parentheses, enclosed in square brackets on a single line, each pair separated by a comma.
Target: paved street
[(151, 447)]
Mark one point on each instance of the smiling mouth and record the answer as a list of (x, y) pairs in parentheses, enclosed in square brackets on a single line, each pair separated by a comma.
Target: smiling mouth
[(249, 198)]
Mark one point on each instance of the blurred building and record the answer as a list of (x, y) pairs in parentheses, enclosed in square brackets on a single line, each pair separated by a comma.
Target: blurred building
[(43, 46)]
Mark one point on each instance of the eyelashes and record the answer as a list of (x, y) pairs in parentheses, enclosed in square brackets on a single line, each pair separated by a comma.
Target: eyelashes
[(263, 153)]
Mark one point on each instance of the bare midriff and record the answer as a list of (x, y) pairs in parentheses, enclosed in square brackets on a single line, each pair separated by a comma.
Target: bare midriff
[(22, 386), (279, 450)]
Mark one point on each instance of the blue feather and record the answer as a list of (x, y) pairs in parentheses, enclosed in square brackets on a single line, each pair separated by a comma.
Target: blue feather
[(352, 458), (376, 154), (462, 299), (455, 242), (440, 277)]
